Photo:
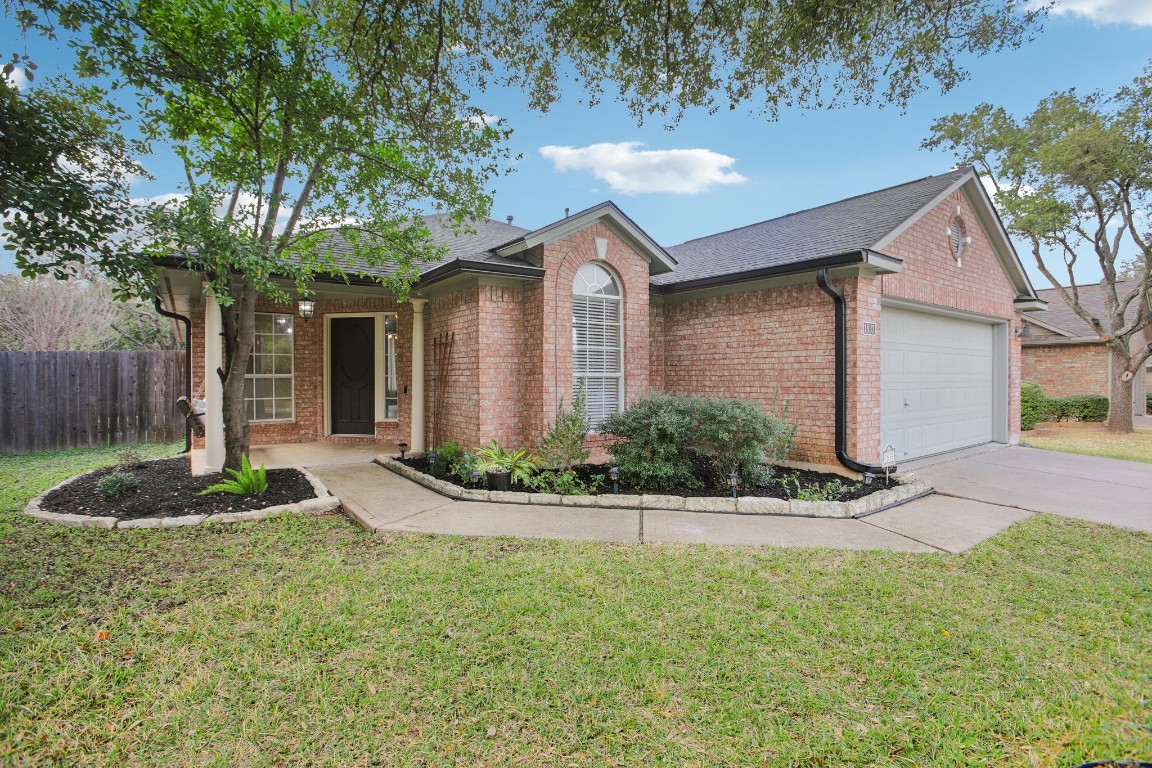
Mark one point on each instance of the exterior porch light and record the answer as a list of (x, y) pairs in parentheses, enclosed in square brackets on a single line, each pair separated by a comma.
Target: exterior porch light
[(307, 308), (403, 449), (614, 474), (733, 481), (1024, 331)]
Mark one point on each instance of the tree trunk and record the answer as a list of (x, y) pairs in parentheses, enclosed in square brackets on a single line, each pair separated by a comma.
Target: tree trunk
[(1119, 394), (239, 330)]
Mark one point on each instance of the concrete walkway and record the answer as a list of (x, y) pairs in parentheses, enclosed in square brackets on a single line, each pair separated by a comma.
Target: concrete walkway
[(383, 501)]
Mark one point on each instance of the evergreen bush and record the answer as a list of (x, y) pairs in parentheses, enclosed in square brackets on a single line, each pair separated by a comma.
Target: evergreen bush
[(1033, 405)]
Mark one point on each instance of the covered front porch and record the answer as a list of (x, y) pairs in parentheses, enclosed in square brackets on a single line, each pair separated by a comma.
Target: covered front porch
[(315, 454)]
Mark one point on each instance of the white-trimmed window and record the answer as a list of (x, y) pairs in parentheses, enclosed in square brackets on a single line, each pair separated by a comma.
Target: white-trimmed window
[(597, 342), (268, 382)]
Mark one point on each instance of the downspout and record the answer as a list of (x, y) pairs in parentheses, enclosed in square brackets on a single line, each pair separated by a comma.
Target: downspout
[(842, 381), (187, 363)]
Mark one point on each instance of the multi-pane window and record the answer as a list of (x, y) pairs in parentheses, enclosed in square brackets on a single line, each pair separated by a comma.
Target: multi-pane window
[(391, 407), (597, 342), (268, 383)]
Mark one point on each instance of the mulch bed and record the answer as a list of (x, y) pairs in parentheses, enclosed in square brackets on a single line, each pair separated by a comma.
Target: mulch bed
[(167, 488), (783, 484)]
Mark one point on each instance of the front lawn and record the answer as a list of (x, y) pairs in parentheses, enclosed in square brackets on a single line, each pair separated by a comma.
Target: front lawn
[(1091, 439), (306, 641)]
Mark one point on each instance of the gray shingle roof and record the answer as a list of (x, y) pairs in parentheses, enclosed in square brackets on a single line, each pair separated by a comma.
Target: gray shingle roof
[(469, 246), (855, 224), (1060, 315)]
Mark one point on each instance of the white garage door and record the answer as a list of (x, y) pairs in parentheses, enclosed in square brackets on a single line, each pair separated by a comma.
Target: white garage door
[(937, 382)]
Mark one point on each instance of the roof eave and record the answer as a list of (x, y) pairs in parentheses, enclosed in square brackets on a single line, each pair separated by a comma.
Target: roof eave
[(874, 263), (472, 267), (1029, 304), (659, 260)]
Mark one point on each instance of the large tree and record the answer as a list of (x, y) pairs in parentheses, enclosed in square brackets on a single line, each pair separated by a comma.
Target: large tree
[(294, 116), (1073, 179)]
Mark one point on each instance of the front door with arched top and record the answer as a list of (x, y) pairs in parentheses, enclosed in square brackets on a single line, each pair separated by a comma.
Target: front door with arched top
[(353, 362)]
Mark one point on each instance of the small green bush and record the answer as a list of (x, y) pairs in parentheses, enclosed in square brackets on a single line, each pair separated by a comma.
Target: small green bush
[(245, 482), (448, 454), (833, 490), (117, 484), (564, 482), (563, 446), (519, 463), (1033, 405), (661, 438), (1085, 407)]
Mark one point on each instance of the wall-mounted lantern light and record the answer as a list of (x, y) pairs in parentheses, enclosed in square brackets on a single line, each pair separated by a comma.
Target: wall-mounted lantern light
[(307, 308)]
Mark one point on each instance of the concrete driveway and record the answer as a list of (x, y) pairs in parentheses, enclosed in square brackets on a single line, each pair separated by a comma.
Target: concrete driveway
[(1086, 487)]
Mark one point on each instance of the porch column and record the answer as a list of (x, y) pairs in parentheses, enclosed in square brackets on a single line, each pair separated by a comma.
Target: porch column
[(416, 441), (213, 388)]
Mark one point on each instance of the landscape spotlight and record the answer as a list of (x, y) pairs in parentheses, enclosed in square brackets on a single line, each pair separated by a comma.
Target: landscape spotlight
[(733, 481), (614, 474), (403, 449)]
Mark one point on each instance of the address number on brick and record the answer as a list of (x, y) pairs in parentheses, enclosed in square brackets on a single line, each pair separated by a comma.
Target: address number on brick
[(869, 329)]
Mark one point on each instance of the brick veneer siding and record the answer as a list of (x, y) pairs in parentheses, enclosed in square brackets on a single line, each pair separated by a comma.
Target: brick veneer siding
[(308, 378), (756, 345), (1066, 370), (978, 284)]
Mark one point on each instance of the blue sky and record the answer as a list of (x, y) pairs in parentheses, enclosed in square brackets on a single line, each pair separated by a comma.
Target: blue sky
[(716, 172)]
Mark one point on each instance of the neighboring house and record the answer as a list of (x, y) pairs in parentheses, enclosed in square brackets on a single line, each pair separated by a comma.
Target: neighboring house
[(1066, 357), (932, 290)]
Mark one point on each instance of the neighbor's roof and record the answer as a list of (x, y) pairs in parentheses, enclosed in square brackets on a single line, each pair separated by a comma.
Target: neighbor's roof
[(1060, 315), (855, 224)]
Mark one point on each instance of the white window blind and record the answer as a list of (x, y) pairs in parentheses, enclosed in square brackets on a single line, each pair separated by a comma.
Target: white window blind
[(597, 348)]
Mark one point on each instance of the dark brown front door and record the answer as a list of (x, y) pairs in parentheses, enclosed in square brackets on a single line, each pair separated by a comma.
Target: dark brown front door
[(353, 361)]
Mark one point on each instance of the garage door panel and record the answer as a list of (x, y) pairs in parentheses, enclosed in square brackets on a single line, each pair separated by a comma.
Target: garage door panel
[(937, 382)]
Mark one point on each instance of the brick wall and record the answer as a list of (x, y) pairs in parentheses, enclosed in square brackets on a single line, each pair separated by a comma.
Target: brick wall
[(455, 313), (1065, 370), (754, 345)]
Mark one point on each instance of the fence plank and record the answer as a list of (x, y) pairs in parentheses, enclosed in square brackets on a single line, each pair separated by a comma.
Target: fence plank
[(55, 400)]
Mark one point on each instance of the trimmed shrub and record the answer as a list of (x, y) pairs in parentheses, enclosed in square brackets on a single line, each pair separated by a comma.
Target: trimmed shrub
[(563, 447), (1085, 407), (117, 484), (662, 438), (1033, 405)]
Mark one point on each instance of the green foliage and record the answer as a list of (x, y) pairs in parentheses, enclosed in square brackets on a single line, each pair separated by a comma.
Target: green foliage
[(833, 490), (448, 454), (660, 437), (117, 484), (564, 482), (129, 456), (1148, 403), (1033, 405), (245, 481), (563, 446), (1077, 408), (521, 464), (462, 466)]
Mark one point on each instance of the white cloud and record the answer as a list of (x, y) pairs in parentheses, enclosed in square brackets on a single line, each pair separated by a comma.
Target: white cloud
[(17, 78), (1106, 11), (632, 171), (483, 119)]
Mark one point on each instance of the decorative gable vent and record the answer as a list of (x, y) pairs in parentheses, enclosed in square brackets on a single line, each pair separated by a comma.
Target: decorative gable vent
[(959, 238)]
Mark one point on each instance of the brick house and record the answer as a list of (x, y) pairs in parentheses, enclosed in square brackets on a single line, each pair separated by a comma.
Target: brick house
[(921, 279), (1066, 357)]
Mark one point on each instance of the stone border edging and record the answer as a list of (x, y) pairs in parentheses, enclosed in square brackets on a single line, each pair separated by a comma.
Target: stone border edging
[(324, 502), (908, 490)]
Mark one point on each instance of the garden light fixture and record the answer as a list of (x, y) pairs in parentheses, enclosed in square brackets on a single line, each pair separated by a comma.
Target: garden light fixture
[(307, 308), (868, 477), (733, 481), (403, 449), (431, 462), (614, 474), (476, 477)]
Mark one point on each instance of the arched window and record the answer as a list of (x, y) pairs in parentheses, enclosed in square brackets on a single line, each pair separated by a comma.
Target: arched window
[(597, 342)]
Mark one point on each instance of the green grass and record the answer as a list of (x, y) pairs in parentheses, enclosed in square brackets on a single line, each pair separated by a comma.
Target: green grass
[(305, 641), (1092, 440)]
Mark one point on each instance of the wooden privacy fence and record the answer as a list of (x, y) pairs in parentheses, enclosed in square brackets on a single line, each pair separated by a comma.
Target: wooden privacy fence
[(55, 400)]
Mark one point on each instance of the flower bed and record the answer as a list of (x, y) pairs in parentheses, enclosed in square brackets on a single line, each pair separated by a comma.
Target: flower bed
[(757, 501)]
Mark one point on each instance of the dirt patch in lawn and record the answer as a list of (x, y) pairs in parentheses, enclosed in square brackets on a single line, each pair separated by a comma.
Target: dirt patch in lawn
[(167, 488)]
